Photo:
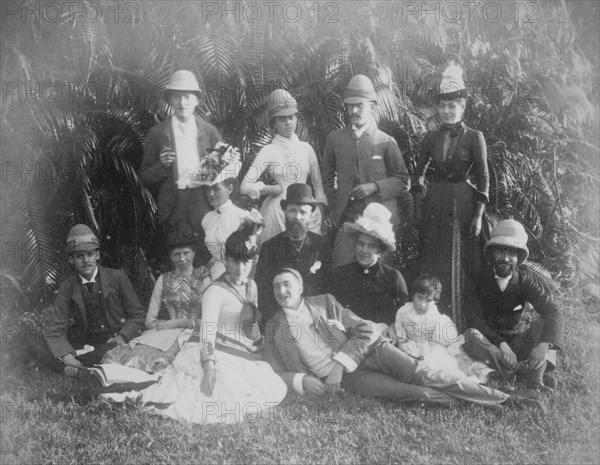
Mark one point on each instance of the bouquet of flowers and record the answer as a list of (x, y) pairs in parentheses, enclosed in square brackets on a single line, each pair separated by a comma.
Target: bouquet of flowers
[(221, 162)]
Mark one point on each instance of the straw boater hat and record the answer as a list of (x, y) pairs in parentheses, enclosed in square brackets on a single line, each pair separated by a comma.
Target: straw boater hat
[(299, 193), (508, 233), (184, 81), (360, 89), (452, 86), (81, 239), (281, 103), (374, 222)]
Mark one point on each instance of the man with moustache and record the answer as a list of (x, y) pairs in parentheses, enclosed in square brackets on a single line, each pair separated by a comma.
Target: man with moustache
[(174, 150), (361, 164), (296, 247), (319, 347), (499, 333)]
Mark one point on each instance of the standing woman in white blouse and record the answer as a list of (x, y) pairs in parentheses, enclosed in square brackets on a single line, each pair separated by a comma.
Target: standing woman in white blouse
[(288, 160)]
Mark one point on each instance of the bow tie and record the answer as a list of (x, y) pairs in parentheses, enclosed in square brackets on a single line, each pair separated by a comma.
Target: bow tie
[(453, 129)]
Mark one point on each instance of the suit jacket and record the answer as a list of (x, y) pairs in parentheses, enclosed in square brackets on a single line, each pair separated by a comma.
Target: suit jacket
[(154, 174), (501, 311), (374, 157), (357, 340), (375, 295), (279, 252), (120, 304)]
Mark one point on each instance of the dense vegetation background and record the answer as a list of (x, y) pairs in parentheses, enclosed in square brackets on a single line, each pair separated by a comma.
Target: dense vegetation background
[(81, 88)]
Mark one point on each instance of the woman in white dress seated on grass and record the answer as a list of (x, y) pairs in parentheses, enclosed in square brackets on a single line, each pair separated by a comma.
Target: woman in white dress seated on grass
[(287, 160), (219, 376)]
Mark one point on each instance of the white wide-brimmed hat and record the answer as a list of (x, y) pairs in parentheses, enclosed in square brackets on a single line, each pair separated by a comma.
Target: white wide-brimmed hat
[(374, 222)]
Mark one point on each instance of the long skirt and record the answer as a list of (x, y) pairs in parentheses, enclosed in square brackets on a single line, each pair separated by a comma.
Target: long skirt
[(447, 250), (246, 388)]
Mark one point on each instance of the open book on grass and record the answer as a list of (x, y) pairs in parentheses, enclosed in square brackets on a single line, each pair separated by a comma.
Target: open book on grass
[(116, 377)]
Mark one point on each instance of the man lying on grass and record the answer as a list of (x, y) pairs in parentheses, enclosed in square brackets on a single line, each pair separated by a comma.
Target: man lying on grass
[(319, 347), (94, 306)]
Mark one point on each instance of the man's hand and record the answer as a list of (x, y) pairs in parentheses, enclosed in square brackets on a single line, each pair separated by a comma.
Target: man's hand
[(167, 157), (363, 191), (332, 383), (118, 339), (536, 358), (475, 227), (70, 359), (313, 386), (509, 359), (209, 378)]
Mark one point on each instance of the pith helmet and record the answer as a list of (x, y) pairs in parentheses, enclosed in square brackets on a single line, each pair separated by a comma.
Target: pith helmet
[(184, 81), (81, 239), (281, 103), (508, 233), (360, 89)]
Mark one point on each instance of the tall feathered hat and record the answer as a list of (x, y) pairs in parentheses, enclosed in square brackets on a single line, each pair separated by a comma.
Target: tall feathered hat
[(452, 86)]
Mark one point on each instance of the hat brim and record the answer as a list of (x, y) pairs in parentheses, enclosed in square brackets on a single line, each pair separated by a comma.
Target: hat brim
[(197, 92), (358, 100), (357, 229), (87, 247), (455, 95), (505, 241), (311, 202), (284, 112)]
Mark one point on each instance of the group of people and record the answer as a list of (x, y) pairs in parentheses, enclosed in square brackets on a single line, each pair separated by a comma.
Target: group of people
[(279, 307)]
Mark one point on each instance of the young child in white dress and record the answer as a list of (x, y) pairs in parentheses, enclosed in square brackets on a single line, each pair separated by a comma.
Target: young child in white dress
[(423, 332)]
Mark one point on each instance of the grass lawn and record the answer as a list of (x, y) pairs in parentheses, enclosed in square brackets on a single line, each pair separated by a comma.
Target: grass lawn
[(42, 423)]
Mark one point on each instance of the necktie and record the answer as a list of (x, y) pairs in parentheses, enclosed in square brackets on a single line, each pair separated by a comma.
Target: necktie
[(90, 287)]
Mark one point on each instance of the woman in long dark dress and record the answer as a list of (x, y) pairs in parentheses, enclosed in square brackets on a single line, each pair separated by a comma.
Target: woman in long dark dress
[(453, 174)]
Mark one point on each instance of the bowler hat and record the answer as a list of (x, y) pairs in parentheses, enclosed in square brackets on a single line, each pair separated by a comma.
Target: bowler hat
[(183, 81), (281, 103), (360, 89), (81, 239), (508, 233), (300, 194)]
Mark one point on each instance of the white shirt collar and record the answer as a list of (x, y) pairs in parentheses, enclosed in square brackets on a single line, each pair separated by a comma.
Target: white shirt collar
[(302, 314), (225, 207), (92, 279), (503, 282)]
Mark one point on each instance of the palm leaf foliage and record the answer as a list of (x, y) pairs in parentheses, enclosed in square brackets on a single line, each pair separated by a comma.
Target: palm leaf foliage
[(72, 149)]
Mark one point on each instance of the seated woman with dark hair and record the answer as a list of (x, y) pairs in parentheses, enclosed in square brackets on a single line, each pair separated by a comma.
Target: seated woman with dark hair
[(219, 376), (175, 305)]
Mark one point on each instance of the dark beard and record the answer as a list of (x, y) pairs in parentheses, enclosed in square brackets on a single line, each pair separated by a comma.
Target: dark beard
[(505, 271), (296, 229)]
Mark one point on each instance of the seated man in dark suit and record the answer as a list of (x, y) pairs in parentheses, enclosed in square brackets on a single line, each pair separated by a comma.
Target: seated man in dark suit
[(499, 335), (367, 286), (317, 346), (94, 306), (297, 247)]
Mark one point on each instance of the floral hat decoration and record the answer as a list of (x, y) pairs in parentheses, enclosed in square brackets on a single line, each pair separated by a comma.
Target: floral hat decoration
[(222, 162), (374, 222)]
